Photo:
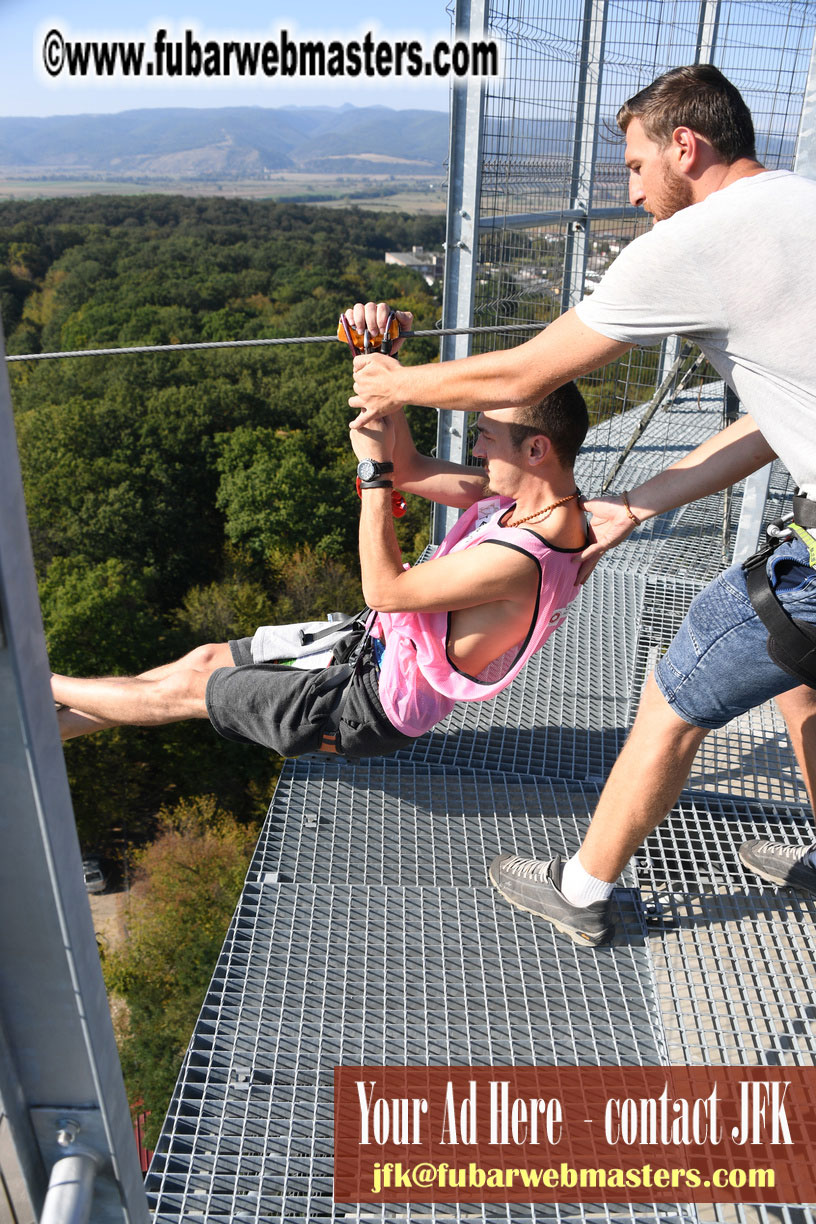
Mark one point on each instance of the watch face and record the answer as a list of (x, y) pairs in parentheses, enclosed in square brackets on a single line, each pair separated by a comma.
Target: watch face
[(366, 469)]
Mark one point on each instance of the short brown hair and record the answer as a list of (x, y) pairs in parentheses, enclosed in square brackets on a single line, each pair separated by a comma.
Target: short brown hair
[(697, 97), (561, 416)]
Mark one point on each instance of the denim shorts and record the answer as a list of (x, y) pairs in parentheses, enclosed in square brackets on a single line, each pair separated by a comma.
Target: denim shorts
[(718, 665)]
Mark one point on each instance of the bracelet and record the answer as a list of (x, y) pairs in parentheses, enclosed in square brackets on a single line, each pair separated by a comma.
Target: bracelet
[(629, 510), (376, 484), (398, 502)]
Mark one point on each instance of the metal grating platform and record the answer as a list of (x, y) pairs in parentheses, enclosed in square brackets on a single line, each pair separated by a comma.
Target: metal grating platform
[(734, 959), (387, 822), (440, 971), (315, 975)]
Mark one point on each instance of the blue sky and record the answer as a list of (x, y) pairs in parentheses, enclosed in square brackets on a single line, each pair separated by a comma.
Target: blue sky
[(23, 23)]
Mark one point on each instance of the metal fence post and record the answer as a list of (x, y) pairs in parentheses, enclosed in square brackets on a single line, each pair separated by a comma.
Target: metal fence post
[(707, 28), (461, 239), (584, 150), (805, 162)]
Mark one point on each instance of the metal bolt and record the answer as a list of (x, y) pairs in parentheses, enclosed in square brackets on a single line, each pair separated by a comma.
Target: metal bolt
[(67, 1132)]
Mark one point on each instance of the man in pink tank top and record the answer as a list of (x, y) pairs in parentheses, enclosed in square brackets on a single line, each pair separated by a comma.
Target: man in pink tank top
[(457, 628)]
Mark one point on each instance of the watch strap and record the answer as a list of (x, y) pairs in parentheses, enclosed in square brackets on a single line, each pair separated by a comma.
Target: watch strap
[(380, 466)]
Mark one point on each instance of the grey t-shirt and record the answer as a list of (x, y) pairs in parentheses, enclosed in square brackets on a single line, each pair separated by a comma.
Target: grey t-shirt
[(736, 274)]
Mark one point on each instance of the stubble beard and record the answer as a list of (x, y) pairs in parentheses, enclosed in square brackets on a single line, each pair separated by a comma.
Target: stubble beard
[(675, 194)]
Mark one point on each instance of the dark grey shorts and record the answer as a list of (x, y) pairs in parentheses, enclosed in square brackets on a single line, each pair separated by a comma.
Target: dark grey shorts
[(288, 710)]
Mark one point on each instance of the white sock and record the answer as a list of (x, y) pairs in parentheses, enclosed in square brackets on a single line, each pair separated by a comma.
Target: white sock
[(581, 888)]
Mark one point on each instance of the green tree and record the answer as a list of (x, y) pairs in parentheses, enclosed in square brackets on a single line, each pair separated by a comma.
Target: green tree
[(230, 608), (187, 885), (312, 585), (275, 496), (98, 618)]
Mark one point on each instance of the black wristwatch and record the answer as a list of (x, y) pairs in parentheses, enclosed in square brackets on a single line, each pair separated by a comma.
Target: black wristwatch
[(370, 470)]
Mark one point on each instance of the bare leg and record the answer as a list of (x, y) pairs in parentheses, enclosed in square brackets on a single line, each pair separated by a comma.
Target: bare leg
[(137, 702), (203, 658), (73, 723), (798, 708), (82, 713), (643, 786)]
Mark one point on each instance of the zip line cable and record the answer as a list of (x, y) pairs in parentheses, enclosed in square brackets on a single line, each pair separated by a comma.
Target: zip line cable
[(222, 344)]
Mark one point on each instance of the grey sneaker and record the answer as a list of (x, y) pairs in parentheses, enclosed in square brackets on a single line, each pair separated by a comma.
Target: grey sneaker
[(534, 885), (780, 863)]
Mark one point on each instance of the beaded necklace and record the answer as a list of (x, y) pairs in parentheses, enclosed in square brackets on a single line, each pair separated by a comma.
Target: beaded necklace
[(546, 510)]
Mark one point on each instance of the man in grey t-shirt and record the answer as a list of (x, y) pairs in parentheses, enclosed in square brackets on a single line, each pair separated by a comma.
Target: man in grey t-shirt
[(729, 264)]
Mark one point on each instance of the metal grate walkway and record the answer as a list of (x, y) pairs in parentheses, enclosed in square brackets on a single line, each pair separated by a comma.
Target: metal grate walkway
[(368, 933)]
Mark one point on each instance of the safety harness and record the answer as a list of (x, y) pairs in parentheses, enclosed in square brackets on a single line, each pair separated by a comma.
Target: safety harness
[(791, 642), (351, 649)]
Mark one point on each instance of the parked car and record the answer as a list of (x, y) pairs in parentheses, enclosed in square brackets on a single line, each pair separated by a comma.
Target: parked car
[(95, 881)]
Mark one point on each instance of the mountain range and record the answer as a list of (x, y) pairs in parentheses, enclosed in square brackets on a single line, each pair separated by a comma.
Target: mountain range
[(234, 142)]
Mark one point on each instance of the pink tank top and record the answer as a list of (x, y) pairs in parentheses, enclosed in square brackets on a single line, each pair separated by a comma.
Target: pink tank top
[(419, 685)]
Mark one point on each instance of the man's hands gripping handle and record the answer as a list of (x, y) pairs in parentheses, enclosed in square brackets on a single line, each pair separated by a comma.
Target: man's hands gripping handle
[(374, 441), (377, 379)]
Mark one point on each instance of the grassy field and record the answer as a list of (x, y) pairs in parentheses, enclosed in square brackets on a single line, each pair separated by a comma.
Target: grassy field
[(385, 193)]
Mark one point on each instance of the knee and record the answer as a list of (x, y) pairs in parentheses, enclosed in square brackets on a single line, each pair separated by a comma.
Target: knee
[(797, 703), (210, 656), (185, 689)]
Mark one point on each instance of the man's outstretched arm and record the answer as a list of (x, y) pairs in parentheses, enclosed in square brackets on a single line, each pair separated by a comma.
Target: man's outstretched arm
[(729, 456), (506, 378)]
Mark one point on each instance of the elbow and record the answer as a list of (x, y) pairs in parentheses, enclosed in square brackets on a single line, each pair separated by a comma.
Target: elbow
[(382, 604), (407, 469), (379, 597), (374, 596)]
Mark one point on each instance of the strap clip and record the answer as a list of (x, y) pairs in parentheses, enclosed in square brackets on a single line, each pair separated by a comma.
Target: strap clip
[(780, 531)]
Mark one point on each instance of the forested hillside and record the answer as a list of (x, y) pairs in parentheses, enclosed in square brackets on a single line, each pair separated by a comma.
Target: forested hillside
[(181, 498)]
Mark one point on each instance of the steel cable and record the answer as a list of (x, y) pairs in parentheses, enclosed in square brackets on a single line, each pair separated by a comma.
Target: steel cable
[(224, 344)]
